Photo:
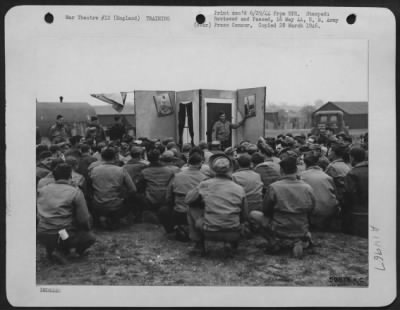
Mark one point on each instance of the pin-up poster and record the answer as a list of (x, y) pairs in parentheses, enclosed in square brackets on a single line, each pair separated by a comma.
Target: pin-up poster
[(250, 106), (163, 105)]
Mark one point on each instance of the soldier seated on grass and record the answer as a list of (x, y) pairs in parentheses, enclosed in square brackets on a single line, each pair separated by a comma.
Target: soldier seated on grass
[(64, 220), (174, 215), (217, 206), (286, 209), (113, 191)]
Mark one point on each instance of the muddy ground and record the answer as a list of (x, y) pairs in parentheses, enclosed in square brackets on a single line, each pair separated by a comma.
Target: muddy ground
[(142, 254)]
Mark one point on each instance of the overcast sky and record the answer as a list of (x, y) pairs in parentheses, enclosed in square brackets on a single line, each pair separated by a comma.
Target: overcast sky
[(296, 72)]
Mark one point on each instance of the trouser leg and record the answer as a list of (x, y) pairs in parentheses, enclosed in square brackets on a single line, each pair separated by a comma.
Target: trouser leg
[(49, 241), (165, 216), (136, 203), (360, 225), (112, 217), (150, 212), (181, 225), (179, 218), (195, 218), (258, 218), (80, 240), (115, 215)]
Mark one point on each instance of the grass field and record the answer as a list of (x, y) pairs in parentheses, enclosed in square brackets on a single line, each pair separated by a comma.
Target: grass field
[(142, 254)]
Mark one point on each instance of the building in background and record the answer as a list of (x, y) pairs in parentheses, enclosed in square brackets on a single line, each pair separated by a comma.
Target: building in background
[(106, 115), (76, 116), (353, 113)]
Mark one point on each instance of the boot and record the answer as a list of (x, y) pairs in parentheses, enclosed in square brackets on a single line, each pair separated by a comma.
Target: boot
[(298, 249)]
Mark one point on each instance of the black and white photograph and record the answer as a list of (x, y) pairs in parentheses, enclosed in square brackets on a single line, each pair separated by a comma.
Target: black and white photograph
[(163, 105), (245, 162), (250, 105)]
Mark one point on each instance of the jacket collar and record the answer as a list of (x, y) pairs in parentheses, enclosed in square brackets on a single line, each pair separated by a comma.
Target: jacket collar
[(314, 168), (157, 164), (134, 161), (223, 176), (339, 160), (265, 163), (361, 164), (42, 165), (243, 169), (193, 168), (62, 182), (291, 177)]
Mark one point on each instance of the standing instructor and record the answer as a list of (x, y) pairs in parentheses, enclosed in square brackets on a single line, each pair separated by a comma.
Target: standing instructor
[(221, 130)]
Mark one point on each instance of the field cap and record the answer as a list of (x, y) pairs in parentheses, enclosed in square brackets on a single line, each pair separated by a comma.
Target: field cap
[(289, 140), (252, 148), (124, 145), (136, 150), (186, 147), (289, 151), (220, 163), (229, 151), (315, 146), (167, 156), (304, 149), (266, 149)]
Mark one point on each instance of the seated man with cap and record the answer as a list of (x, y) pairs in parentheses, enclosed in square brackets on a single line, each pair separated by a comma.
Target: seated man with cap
[(112, 189), (224, 203), (77, 179), (85, 160), (205, 168), (174, 215), (167, 159), (64, 220), (135, 166), (250, 181), (265, 166), (156, 178), (338, 169), (355, 206), (326, 204), (286, 209), (288, 152)]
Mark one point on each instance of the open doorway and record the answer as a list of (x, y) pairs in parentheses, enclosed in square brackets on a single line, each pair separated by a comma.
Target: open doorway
[(212, 108)]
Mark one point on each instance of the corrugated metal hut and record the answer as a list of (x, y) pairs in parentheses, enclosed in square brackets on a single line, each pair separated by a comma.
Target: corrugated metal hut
[(76, 115), (106, 115)]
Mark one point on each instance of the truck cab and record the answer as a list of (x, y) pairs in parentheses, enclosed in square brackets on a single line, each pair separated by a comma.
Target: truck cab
[(328, 119)]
